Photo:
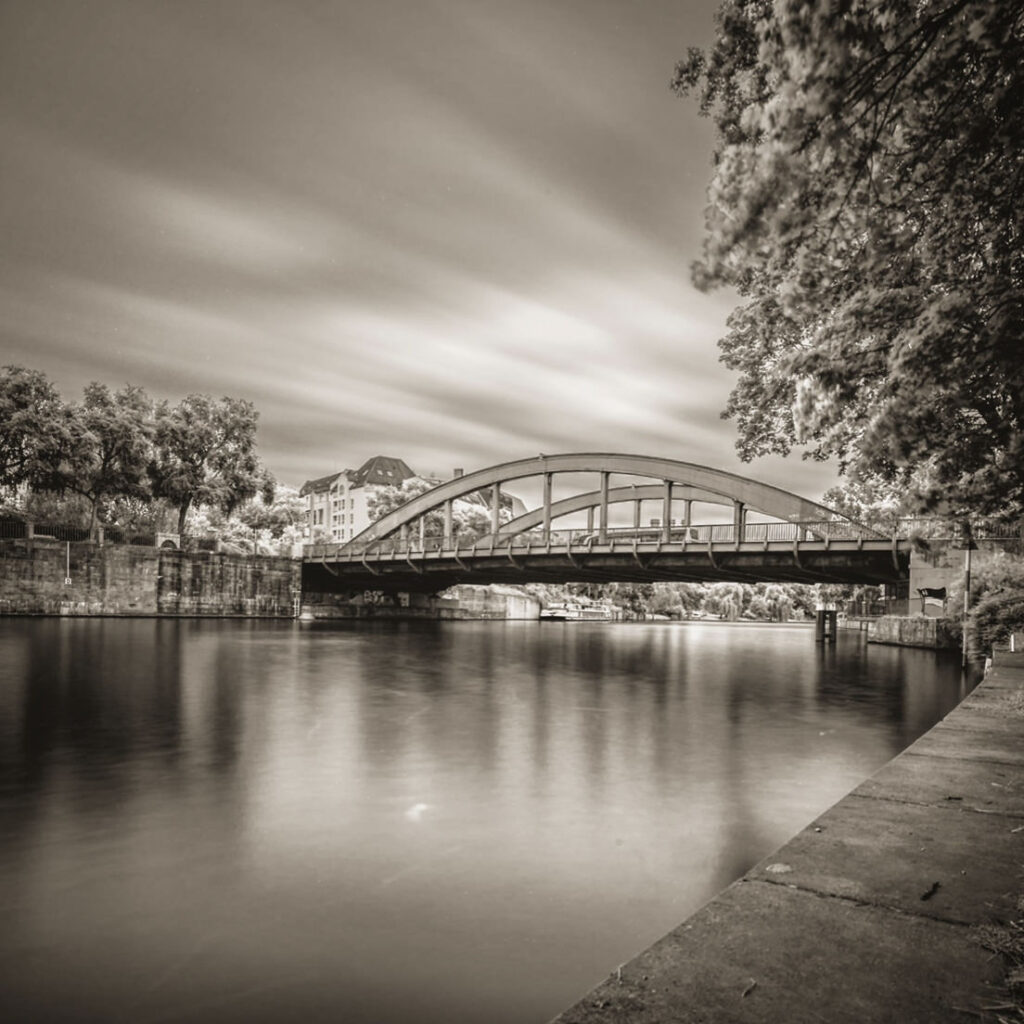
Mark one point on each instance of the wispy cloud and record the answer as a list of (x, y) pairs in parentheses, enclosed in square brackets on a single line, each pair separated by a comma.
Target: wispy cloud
[(455, 231)]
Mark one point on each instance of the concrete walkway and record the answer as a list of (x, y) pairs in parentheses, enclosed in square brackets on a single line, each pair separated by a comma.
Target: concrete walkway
[(870, 913)]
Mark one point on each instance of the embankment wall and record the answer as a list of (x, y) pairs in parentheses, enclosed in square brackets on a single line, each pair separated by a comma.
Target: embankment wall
[(47, 577), (914, 631)]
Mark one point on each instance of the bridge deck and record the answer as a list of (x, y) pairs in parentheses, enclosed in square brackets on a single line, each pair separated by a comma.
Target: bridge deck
[(435, 566)]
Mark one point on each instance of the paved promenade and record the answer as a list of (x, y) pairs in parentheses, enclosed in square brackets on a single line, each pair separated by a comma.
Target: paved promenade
[(872, 912)]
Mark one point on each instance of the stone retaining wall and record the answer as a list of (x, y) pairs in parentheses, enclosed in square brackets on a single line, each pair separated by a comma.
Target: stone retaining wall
[(914, 631), (40, 576)]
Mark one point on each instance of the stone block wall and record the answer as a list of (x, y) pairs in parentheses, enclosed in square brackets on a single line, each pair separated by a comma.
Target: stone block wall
[(48, 577), (208, 583), (914, 631), (495, 602)]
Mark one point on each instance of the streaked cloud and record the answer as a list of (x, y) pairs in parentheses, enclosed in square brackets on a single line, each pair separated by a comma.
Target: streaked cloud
[(453, 231)]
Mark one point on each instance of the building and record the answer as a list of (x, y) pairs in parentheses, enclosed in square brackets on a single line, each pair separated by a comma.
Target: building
[(337, 506)]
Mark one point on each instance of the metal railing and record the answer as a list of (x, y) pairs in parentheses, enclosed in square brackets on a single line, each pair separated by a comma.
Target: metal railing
[(20, 529), (395, 546)]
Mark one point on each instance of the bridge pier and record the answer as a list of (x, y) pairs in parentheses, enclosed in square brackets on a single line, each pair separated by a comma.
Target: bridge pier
[(826, 625)]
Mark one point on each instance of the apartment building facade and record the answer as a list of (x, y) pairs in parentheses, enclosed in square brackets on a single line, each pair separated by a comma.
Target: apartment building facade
[(337, 506)]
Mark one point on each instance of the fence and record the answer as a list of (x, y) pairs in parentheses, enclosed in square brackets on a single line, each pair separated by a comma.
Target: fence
[(20, 529)]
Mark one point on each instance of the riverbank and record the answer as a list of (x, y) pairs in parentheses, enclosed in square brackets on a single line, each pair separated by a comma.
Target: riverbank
[(876, 910)]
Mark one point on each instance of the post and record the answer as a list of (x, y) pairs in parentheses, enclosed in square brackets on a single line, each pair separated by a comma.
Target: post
[(495, 507), (448, 523), (967, 601), (603, 522), (666, 513), (590, 519), (547, 506), (423, 533), (687, 510), (636, 513)]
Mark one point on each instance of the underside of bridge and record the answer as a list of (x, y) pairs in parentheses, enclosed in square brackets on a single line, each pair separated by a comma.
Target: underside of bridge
[(435, 571)]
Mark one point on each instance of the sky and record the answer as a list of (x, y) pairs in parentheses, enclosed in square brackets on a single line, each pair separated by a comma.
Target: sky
[(452, 231)]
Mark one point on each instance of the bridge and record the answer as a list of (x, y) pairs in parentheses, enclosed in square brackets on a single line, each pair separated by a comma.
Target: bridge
[(772, 536)]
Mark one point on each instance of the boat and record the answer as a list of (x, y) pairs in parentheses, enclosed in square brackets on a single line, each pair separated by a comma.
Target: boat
[(567, 611)]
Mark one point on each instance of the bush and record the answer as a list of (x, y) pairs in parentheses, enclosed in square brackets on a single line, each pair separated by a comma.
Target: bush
[(994, 618)]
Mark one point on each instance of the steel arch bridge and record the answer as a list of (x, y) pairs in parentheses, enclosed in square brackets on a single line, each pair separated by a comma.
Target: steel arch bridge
[(418, 548)]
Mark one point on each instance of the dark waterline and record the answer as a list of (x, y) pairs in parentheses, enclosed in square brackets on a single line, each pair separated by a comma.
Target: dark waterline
[(388, 822)]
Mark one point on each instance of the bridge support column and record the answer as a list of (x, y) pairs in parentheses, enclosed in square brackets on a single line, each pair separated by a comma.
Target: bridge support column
[(666, 514), (448, 523), (826, 622), (547, 506), (687, 508), (636, 513), (403, 534), (739, 520), (590, 519), (495, 506), (423, 533), (603, 522)]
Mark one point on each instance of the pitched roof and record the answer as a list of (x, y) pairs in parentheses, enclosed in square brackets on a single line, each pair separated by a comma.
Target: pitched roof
[(381, 470), (319, 485)]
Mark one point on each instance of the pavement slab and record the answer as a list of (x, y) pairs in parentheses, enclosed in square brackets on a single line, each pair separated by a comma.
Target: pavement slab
[(933, 861), (941, 781)]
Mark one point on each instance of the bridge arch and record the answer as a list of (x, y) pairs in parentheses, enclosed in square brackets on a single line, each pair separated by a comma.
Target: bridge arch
[(677, 479)]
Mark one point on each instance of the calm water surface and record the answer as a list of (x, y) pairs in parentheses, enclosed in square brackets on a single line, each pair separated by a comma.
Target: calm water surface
[(436, 822)]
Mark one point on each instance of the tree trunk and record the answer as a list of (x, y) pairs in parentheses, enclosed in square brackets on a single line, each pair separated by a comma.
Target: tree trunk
[(182, 513), (92, 520)]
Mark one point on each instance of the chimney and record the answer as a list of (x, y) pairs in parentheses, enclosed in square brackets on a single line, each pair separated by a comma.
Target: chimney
[(456, 473)]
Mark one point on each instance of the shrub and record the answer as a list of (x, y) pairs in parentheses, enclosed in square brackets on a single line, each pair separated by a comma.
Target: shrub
[(994, 618)]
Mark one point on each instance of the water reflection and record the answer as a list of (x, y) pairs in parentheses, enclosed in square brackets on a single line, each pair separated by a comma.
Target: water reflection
[(387, 822)]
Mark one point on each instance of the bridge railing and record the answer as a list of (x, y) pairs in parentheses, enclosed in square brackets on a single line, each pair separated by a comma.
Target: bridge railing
[(945, 529), (585, 539)]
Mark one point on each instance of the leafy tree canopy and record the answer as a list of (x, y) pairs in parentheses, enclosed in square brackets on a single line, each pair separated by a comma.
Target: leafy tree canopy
[(866, 205), (31, 413), (105, 447), (468, 518), (206, 454)]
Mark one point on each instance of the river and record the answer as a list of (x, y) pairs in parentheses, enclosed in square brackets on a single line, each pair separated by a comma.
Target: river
[(228, 821)]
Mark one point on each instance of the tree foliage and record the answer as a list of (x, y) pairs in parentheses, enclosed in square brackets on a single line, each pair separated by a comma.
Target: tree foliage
[(469, 520), (105, 447), (31, 414), (206, 454), (866, 204)]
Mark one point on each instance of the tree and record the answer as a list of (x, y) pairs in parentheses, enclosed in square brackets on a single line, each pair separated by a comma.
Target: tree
[(277, 524), (469, 519), (104, 448), (206, 454), (31, 416), (865, 203)]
